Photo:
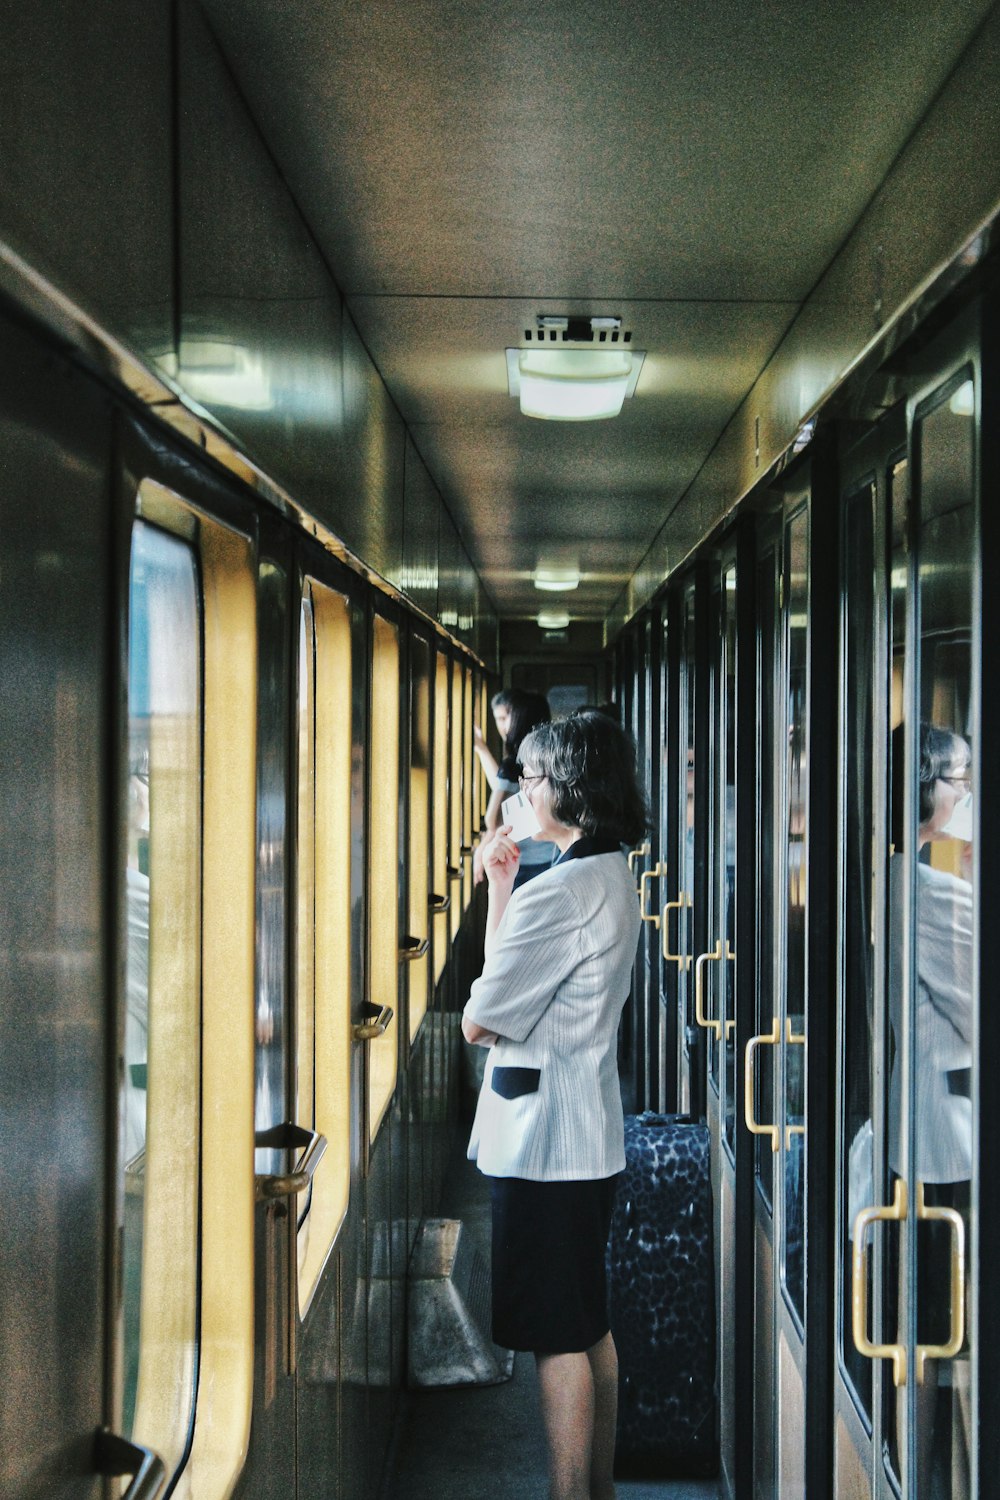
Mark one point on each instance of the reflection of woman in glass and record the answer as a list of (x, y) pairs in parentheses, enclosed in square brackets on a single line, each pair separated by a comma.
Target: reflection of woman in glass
[(941, 1044)]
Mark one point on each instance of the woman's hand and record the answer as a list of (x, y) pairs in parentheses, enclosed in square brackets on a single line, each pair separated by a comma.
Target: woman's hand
[(501, 859), (477, 738)]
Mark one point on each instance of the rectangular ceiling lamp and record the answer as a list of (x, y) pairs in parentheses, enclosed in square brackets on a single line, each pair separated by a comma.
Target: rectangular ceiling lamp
[(572, 385)]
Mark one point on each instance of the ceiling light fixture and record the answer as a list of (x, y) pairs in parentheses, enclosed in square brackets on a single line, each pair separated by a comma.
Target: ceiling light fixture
[(553, 619), (572, 385), (556, 580)]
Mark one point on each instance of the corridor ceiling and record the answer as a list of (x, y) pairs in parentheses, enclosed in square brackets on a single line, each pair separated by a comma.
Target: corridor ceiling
[(467, 165)]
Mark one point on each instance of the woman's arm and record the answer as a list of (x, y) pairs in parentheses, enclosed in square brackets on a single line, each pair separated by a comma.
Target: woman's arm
[(487, 759)]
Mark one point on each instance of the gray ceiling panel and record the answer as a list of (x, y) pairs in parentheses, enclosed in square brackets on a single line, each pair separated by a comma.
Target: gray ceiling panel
[(467, 164)]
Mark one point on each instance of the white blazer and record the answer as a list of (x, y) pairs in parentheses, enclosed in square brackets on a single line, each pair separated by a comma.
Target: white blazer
[(556, 977)]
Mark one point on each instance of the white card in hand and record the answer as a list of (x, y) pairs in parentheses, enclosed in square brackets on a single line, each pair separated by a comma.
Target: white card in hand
[(519, 813)]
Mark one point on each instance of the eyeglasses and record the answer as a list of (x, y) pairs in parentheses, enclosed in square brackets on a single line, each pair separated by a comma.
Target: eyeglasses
[(962, 781), (525, 781)]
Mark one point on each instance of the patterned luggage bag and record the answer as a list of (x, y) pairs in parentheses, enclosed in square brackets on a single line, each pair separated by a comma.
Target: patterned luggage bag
[(661, 1302)]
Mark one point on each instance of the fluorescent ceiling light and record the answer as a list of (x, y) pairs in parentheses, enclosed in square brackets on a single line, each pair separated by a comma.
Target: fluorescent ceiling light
[(556, 580), (553, 619), (572, 385)]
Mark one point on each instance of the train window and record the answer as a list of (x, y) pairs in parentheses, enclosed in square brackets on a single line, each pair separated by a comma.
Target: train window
[(468, 782), (193, 700), (856, 883), (943, 903), (796, 881), (455, 799), (323, 918), (767, 761), (727, 852), (383, 866), (418, 882), (163, 993), (271, 1018), (442, 883)]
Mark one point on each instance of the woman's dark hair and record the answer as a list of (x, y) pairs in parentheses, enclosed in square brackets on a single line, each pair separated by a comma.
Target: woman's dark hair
[(938, 750), (589, 762), (527, 710)]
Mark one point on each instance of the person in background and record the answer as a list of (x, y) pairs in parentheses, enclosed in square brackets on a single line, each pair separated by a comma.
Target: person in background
[(528, 710), (549, 1128), (501, 703)]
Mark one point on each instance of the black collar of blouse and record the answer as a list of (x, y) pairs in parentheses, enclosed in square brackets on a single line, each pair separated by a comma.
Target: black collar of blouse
[(581, 848)]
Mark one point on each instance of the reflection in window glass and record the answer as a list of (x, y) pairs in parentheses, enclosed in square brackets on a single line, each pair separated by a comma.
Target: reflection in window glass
[(442, 884), (323, 925), (727, 852), (418, 971), (383, 866), (160, 1123), (796, 876), (857, 1187), (943, 904), (767, 760), (685, 930)]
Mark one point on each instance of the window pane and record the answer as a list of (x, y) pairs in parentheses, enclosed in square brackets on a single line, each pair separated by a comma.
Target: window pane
[(796, 874), (162, 980)]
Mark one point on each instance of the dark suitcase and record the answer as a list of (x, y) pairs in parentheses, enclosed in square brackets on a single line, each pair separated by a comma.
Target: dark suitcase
[(661, 1300)]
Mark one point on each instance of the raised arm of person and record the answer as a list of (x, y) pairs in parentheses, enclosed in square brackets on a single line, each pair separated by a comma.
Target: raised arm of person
[(487, 759)]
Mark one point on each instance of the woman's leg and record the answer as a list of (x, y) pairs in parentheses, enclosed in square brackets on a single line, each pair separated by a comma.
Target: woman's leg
[(579, 1395), (603, 1359), (566, 1384)]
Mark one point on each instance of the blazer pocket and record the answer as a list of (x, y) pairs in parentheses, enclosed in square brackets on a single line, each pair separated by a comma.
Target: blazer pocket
[(511, 1083)]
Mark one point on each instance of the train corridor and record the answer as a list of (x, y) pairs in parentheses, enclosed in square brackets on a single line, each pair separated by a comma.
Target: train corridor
[(467, 1442)]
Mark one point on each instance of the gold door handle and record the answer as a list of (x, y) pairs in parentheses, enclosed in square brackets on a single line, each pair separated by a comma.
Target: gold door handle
[(715, 1027), (271, 1185), (634, 855), (793, 1040), (118, 1457), (894, 1214), (653, 874), (413, 947), (438, 904), (377, 1024), (766, 1039), (683, 960), (932, 1213)]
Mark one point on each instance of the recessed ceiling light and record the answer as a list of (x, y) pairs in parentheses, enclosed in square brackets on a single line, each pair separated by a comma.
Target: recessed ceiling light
[(556, 580), (553, 619)]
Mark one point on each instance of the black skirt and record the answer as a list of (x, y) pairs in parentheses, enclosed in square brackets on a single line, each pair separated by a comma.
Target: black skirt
[(550, 1291)]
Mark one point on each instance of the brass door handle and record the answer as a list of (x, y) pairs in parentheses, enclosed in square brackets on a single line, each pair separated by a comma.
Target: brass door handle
[(454, 872), (715, 1027), (270, 1185), (413, 947), (653, 874), (117, 1456), (683, 960), (950, 1216), (766, 1039), (634, 855), (438, 904), (895, 1214), (378, 1025)]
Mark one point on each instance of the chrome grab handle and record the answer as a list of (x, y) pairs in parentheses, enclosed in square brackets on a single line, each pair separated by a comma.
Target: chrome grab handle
[(270, 1185), (766, 1039), (378, 1025), (117, 1456), (413, 947), (895, 1214), (438, 904), (951, 1216), (683, 960), (634, 855), (715, 1027), (653, 874)]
